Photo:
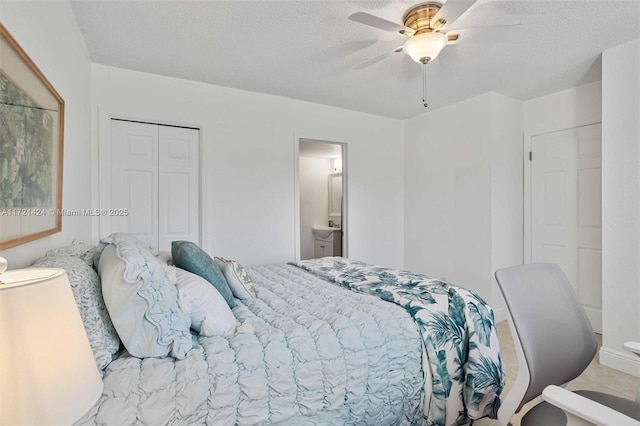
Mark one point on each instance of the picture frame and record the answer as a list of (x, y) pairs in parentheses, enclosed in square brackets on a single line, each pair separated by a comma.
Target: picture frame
[(31, 148)]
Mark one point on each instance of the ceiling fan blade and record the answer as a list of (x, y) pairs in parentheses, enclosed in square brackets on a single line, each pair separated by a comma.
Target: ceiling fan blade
[(451, 11), (376, 59), (383, 24)]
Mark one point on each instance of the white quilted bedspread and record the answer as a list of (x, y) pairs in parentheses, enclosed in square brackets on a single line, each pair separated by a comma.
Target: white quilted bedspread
[(306, 352)]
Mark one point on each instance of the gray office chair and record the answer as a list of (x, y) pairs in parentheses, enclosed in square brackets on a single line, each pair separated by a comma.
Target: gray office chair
[(554, 343)]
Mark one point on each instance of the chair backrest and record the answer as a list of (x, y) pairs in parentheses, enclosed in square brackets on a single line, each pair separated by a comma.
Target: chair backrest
[(556, 337)]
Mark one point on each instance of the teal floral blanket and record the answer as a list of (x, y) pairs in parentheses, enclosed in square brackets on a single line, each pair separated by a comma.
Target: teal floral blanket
[(457, 327)]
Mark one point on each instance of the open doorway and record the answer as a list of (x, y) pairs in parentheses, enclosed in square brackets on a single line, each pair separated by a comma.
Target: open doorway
[(322, 199)]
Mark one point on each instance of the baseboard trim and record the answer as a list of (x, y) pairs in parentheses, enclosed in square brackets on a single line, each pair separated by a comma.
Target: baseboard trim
[(500, 314), (620, 360)]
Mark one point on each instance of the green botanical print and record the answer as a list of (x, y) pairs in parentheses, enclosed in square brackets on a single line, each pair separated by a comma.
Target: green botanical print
[(444, 330), (25, 149), (457, 327), (483, 321)]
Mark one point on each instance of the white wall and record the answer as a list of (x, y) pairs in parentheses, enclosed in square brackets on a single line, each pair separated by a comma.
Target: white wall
[(47, 31), (506, 191), (248, 159), (448, 193), (621, 204), (314, 201), (462, 168), (565, 109)]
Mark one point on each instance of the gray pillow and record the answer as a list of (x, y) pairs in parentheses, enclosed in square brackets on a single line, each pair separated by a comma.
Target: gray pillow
[(85, 285), (190, 257)]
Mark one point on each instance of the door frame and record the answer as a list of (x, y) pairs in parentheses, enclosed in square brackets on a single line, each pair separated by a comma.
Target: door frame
[(296, 192)]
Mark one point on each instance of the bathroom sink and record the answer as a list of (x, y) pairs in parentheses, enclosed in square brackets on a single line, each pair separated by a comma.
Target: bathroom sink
[(324, 231)]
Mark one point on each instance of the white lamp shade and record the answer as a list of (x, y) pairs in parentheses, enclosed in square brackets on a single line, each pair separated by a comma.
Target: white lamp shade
[(426, 45), (48, 374)]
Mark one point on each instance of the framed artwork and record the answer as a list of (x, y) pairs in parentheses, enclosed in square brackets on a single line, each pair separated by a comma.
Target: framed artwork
[(31, 148)]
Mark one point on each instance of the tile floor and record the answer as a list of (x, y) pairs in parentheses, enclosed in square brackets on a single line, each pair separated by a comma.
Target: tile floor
[(596, 377)]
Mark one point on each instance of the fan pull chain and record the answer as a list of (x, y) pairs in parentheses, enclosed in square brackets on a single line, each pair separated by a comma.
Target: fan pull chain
[(424, 84)]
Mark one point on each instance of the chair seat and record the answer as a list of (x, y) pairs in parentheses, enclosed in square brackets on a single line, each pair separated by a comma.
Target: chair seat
[(550, 415)]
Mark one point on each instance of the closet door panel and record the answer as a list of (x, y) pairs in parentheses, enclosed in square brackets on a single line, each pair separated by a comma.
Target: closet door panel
[(179, 192), (134, 179), (138, 190)]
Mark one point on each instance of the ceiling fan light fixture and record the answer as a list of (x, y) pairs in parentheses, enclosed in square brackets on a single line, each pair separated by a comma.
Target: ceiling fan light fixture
[(425, 47)]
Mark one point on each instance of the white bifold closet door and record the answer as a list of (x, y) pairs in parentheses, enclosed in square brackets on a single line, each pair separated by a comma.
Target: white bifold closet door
[(154, 176)]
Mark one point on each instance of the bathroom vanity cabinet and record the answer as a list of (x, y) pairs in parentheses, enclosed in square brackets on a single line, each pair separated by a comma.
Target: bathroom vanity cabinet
[(331, 245)]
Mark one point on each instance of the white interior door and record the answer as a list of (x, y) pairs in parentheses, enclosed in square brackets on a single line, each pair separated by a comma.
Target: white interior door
[(566, 199), (178, 216), (134, 179), (154, 175)]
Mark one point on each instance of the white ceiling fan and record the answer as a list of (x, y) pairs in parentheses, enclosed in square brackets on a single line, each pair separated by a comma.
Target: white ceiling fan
[(428, 28)]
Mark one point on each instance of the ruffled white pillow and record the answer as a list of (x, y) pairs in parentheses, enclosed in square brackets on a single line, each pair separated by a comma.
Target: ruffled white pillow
[(209, 312), (237, 278), (142, 302)]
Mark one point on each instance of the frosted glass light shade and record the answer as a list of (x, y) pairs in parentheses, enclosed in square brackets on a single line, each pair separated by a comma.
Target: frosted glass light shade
[(48, 374), (426, 45)]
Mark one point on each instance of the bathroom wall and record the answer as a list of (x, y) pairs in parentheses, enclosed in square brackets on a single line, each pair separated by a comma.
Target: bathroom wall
[(314, 200)]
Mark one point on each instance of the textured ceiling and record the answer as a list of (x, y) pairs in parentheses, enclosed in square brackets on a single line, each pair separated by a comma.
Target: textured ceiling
[(305, 49)]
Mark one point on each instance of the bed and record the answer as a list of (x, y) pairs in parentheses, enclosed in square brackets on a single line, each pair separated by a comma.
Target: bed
[(323, 342)]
